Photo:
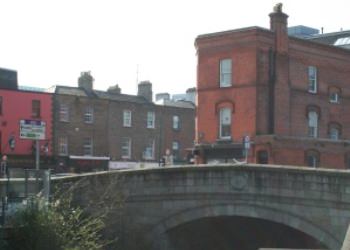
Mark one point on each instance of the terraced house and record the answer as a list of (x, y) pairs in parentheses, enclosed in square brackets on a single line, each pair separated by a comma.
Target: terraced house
[(93, 128)]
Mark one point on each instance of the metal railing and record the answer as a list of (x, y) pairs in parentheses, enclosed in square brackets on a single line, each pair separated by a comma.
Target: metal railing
[(18, 186)]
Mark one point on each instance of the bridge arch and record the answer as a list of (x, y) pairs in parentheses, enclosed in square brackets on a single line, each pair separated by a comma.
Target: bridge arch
[(245, 210)]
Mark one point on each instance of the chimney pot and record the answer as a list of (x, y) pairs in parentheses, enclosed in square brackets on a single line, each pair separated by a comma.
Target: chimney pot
[(145, 90), (114, 89), (86, 81), (278, 24)]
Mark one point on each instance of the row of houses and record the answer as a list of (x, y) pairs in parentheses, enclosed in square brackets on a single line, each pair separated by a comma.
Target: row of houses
[(87, 129), (286, 89)]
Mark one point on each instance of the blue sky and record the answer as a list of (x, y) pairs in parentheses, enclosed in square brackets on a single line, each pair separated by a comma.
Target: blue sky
[(50, 42)]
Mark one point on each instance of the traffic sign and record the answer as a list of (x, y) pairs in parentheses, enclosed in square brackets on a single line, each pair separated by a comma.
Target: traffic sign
[(32, 129)]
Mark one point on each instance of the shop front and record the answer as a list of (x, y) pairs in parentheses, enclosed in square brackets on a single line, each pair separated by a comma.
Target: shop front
[(81, 164)]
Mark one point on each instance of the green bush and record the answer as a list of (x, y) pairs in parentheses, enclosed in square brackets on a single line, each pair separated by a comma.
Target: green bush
[(54, 226)]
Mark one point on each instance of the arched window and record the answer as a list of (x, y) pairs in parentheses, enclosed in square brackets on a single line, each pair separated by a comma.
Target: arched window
[(334, 131), (225, 123), (312, 158), (312, 123)]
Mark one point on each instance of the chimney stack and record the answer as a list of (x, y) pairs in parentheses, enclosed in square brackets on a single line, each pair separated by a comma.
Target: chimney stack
[(86, 81), (162, 96), (145, 90), (278, 24), (114, 89)]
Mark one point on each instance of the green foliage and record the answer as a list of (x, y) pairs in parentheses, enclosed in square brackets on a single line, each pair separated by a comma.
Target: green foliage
[(55, 226)]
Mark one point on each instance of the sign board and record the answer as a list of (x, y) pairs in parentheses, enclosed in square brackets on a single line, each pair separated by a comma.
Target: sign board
[(32, 129)]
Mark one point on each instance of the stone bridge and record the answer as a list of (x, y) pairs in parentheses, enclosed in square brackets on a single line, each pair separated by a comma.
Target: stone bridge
[(298, 204)]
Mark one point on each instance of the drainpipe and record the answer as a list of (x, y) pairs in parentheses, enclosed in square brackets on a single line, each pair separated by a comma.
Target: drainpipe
[(271, 99)]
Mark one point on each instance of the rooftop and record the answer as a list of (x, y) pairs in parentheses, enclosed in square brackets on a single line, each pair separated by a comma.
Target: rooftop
[(76, 91), (331, 38)]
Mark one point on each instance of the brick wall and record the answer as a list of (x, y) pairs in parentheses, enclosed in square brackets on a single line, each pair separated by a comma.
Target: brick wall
[(76, 129), (270, 93), (107, 129)]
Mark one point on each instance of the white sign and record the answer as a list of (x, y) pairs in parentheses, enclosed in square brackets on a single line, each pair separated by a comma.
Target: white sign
[(32, 129)]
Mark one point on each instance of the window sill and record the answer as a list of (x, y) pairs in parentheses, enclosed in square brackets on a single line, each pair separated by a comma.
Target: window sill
[(224, 87), (148, 159), (224, 140)]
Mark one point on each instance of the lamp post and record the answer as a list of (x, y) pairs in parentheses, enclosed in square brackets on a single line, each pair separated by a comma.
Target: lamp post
[(37, 155), (4, 172), (246, 146)]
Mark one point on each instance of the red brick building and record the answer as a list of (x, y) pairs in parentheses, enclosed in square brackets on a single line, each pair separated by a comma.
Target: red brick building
[(290, 95), (16, 105)]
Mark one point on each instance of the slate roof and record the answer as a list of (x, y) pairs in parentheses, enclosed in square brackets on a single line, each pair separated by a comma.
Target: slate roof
[(177, 104), (226, 32), (329, 38), (75, 91)]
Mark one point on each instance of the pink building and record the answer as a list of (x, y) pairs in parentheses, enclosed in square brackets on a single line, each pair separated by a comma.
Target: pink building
[(17, 105)]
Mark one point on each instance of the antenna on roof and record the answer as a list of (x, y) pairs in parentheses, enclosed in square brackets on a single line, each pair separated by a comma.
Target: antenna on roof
[(137, 76), (137, 73)]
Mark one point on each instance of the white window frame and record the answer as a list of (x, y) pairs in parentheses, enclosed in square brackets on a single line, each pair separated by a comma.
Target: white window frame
[(225, 73), (63, 145), (334, 97), (313, 159), (87, 148), (176, 122), (126, 147), (64, 112), (127, 116), (151, 119), (312, 79), (175, 146), (312, 124), (223, 122), (89, 115), (334, 133), (148, 154)]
